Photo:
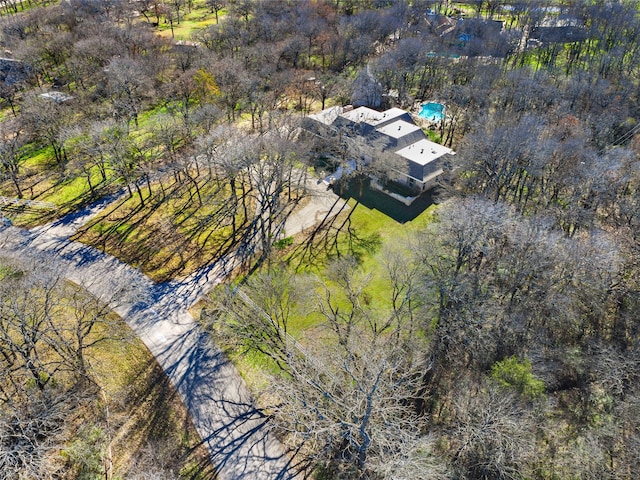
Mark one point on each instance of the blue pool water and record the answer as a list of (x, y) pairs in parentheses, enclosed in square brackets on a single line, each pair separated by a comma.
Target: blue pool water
[(433, 112)]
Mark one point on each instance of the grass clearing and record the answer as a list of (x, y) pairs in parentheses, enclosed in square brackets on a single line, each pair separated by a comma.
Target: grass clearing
[(69, 190), (372, 221), (255, 368), (170, 235), (198, 18), (38, 157), (66, 193), (368, 232), (307, 324), (41, 179), (376, 232)]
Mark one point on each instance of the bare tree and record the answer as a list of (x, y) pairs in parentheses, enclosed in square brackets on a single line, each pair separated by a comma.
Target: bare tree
[(347, 405), (216, 6), (129, 86), (351, 409), (12, 153), (265, 181), (125, 157), (277, 185), (493, 437), (36, 343), (31, 434), (243, 9), (47, 329), (45, 119), (88, 152), (25, 321)]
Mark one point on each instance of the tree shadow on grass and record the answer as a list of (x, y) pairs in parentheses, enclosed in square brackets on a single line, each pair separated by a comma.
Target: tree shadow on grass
[(159, 247), (70, 209), (121, 237), (333, 237), (161, 422)]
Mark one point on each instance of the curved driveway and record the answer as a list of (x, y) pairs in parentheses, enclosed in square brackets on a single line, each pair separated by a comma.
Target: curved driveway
[(235, 432)]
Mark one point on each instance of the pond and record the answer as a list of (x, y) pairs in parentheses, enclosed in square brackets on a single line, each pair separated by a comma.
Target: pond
[(434, 112)]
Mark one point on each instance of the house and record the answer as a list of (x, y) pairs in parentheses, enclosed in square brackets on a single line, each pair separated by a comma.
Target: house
[(440, 24), (562, 34), (391, 138), (480, 27), (560, 29), (481, 37), (58, 97)]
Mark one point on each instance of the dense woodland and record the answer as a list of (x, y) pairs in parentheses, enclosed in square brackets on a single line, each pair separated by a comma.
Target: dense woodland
[(503, 343)]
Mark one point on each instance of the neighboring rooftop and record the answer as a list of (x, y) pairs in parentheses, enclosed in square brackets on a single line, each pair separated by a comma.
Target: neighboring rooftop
[(58, 97), (562, 34), (13, 71)]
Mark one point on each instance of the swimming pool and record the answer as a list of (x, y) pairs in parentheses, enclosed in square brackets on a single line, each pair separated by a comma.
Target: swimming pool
[(433, 112)]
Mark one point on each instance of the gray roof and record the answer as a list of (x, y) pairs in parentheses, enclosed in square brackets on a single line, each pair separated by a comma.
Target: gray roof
[(362, 114), (328, 115), (373, 117), (398, 129), (14, 71), (58, 97), (423, 152), (390, 115)]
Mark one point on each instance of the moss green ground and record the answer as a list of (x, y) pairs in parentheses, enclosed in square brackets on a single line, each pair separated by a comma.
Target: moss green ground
[(370, 233), (367, 233), (168, 236), (144, 408), (191, 21)]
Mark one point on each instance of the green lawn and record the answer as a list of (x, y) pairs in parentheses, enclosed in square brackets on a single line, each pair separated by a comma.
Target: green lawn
[(374, 233), (169, 235), (38, 157), (41, 179), (198, 18), (367, 233)]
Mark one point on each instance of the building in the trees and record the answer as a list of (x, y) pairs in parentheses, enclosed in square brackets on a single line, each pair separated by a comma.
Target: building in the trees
[(58, 97), (560, 29), (388, 144), (471, 37)]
